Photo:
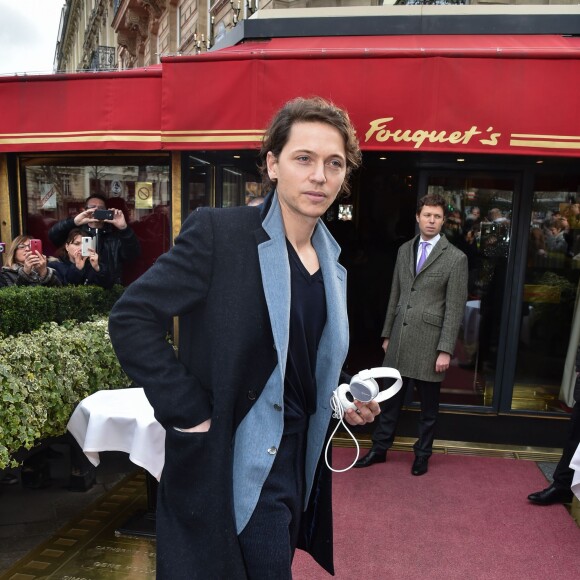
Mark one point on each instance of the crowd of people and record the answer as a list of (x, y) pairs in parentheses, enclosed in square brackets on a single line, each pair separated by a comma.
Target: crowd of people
[(92, 251)]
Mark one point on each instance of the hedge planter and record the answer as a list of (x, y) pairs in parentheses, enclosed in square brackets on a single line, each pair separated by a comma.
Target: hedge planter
[(43, 376), (26, 308)]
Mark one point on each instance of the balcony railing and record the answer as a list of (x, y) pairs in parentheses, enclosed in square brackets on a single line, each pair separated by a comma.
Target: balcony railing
[(103, 58)]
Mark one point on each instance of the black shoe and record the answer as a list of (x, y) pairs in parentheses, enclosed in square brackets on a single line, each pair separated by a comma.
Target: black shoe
[(420, 465), (551, 495), (370, 458)]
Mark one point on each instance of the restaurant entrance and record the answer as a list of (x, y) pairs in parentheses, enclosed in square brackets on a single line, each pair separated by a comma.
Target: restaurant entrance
[(518, 222), (515, 219)]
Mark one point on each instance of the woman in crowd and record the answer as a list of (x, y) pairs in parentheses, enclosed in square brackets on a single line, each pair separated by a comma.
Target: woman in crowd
[(24, 267), (74, 268)]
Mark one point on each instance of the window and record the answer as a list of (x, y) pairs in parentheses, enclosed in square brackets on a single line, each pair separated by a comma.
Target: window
[(56, 189)]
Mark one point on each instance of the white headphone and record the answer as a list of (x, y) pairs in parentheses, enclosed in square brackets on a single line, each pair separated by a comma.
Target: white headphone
[(365, 389)]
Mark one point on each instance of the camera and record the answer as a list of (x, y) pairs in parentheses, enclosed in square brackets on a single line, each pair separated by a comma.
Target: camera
[(103, 214), (87, 244), (2, 247)]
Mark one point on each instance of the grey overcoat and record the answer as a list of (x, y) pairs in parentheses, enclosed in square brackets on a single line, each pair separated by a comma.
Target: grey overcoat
[(425, 310)]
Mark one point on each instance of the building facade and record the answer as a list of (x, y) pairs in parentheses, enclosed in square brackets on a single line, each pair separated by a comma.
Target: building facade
[(123, 34)]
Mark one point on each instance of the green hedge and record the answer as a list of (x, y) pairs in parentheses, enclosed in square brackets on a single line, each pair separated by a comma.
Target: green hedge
[(45, 373), (26, 308)]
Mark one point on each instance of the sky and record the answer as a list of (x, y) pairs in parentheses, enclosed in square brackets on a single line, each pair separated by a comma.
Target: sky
[(28, 35)]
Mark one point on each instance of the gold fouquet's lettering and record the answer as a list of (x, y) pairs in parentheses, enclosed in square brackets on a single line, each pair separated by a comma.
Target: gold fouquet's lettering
[(381, 132), (493, 138)]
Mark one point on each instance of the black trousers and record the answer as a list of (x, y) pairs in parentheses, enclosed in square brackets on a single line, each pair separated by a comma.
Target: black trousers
[(269, 539), (386, 423), (563, 475)]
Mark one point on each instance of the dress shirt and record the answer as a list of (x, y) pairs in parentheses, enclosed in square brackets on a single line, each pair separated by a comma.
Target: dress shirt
[(430, 245)]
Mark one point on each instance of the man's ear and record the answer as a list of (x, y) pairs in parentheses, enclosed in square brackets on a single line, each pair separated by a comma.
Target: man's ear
[(272, 165)]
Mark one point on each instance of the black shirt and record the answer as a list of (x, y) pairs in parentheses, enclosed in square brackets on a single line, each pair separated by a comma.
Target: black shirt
[(307, 320)]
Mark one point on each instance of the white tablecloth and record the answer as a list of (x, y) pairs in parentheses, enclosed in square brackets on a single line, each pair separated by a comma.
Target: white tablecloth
[(575, 465), (120, 420)]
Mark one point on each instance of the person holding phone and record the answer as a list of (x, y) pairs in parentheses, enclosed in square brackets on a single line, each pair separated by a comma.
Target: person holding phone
[(27, 265), (78, 267), (115, 241)]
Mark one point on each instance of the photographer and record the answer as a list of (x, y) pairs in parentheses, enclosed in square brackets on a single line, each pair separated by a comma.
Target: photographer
[(78, 268), (115, 241), (25, 267)]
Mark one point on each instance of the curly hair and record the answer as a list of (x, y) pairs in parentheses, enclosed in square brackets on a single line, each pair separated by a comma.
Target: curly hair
[(432, 200), (308, 110)]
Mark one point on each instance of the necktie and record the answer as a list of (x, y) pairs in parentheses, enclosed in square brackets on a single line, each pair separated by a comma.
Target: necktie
[(423, 256)]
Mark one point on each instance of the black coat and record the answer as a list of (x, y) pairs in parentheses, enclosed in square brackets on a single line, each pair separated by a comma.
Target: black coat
[(16, 276), (69, 274), (227, 353), (225, 344)]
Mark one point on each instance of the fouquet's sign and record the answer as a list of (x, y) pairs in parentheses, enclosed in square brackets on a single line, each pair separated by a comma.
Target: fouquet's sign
[(384, 130)]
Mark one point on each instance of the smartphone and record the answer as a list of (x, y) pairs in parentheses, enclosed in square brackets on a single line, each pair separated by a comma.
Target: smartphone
[(103, 214), (36, 246), (87, 244)]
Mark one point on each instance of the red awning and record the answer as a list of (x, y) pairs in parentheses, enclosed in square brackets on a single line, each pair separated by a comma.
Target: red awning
[(478, 94), (81, 111), (488, 46)]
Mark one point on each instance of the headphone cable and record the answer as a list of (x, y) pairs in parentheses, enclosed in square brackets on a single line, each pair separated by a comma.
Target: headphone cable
[(338, 413)]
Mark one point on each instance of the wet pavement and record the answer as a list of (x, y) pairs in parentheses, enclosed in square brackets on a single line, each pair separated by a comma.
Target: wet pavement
[(41, 501)]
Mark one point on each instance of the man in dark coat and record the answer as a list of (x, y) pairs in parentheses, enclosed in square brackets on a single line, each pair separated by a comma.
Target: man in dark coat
[(423, 318), (262, 338), (559, 491), (116, 242)]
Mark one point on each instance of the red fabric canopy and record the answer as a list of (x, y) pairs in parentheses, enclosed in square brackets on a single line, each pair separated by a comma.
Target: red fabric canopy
[(81, 111), (489, 46), (478, 94)]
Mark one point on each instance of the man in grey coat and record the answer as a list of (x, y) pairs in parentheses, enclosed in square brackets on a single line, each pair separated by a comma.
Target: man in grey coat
[(423, 318)]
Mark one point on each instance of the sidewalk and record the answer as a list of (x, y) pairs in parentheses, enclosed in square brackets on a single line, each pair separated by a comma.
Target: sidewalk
[(496, 534), (30, 516)]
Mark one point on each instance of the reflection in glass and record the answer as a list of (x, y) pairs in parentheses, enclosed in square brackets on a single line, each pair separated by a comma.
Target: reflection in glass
[(233, 190), (197, 183), (56, 191), (345, 212), (478, 222), (221, 179), (549, 321)]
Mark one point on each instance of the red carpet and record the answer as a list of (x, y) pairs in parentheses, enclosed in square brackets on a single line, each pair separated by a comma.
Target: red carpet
[(467, 519)]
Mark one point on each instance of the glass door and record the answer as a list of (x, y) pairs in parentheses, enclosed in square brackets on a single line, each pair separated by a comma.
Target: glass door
[(549, 326), (479, 222)]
